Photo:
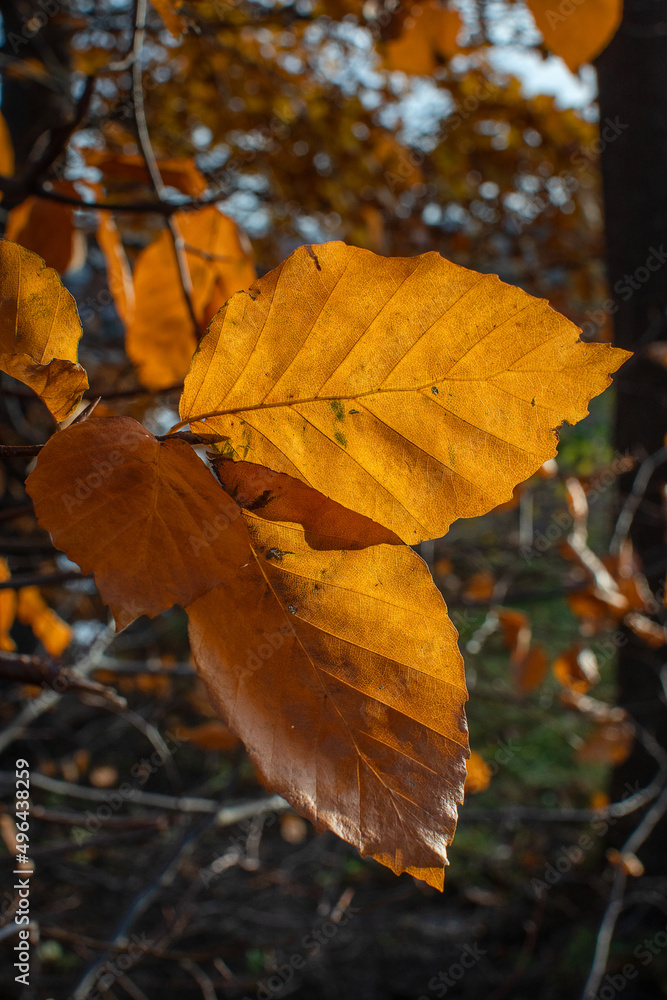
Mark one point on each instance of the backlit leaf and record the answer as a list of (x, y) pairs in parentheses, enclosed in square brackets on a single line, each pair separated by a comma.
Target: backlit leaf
[(340, 672), (160, 336), (39, 330), (179, 172), (429, 31), (146, 516), (411, 390)]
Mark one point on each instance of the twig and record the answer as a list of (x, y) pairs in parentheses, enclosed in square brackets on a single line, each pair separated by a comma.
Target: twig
[(615, 905), (225, 816), (16, 729), (634, 498), (41, 579), (198, 974), (165, 208), (47, 673), (151, 161)]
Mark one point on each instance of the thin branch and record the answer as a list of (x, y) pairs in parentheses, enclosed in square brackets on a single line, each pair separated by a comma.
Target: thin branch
[(634, 498), (151, 161), (47, 673), (167, 208), (615, 904), (42, 579)]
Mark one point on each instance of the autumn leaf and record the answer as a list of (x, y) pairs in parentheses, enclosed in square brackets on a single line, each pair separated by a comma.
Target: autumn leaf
[(45, 227), (39, 330), (179, 172), (276, 496), (173, 22), (429, 31), (7, 610), (478, 774), (160, 338), (411, 390), (147, 517), (340, 672), (119, 277), (53, 633), (6, 150), (579, 34)]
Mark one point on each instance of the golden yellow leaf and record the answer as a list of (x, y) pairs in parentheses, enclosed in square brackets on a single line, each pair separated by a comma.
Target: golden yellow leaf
[(160, 338), (411, 390), (581, 32), (340, 672), (119, 277), (39, 330), (146, 516)]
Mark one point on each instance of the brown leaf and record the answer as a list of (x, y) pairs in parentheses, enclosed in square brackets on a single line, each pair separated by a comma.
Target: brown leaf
[(406, 389), (340, 672), (276, 496), (610, 743), (7, 610), (46, 228), (39, 330), (53, 633), (146, 516), (6, 150)]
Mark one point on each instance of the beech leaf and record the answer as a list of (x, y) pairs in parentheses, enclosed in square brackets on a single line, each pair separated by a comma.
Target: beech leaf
[(411, 390), (340, 672), (39, 330), (145, 515)]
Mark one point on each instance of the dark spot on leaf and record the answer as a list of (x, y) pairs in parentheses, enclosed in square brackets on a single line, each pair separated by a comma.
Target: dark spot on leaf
[(342, 440), (313, 255), (261, 501), (338, 410), (532, 402), (435, 390), (277, 554), (291, 609), (353, 411)]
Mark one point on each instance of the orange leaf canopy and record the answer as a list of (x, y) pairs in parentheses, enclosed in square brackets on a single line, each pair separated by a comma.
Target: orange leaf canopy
[(160, 337), (411, 390), (340, 672), (146, 516), (39, 330)]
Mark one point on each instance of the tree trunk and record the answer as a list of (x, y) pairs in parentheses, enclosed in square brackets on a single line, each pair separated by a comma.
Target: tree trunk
[(632, 76)]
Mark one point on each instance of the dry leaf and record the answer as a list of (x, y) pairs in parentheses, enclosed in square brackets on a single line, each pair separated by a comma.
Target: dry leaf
[(340, 672), (146, 516), (160, 338), (39, 330), (6, 150), (276, 496), (173, 22), (579, 33), (406, 389), (610, 743)]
